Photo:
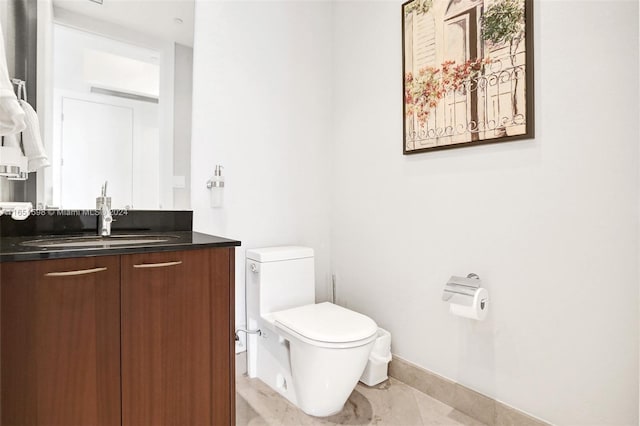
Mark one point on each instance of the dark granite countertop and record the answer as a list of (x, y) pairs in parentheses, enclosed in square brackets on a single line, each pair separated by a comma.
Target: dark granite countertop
[(13, 249)]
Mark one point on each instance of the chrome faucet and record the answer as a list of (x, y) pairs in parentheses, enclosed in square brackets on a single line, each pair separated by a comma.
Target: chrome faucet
[(103, 206)]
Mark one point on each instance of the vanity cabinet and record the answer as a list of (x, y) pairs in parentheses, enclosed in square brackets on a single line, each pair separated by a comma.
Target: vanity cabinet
[(136, 339)]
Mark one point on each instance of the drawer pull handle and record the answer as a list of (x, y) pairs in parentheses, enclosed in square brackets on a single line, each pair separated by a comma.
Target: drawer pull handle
[(72, 273), (157, 265)]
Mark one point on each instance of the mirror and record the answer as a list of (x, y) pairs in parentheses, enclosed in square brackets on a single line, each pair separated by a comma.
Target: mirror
[(117, 103)]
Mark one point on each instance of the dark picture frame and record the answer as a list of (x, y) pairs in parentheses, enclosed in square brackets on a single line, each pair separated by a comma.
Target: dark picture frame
[(467, 69)]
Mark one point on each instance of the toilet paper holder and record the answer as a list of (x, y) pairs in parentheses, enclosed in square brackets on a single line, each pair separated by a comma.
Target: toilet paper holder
[(460, 290)]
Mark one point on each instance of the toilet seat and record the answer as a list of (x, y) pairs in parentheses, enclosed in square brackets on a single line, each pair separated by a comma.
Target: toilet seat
[(326, 325)]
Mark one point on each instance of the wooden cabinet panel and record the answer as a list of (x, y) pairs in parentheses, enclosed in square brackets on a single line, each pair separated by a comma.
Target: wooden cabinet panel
[(224, 354), (176, 338), (60, 353)]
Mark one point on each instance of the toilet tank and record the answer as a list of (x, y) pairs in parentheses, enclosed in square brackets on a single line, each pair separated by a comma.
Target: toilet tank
[(282, 277)]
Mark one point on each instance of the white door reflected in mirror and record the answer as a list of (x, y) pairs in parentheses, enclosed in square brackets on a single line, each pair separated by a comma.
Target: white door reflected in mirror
[(88, 125)]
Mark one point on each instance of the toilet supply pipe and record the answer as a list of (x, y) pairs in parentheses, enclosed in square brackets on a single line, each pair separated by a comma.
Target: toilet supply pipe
[(244, 330)]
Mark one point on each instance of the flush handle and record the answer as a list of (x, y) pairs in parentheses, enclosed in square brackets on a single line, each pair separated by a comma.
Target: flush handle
[(254, 268)]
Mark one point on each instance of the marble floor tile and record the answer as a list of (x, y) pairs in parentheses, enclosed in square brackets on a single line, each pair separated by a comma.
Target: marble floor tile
[(391, 403)]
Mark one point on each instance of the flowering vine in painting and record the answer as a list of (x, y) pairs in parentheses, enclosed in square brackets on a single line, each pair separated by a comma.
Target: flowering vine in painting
[(425, 90)]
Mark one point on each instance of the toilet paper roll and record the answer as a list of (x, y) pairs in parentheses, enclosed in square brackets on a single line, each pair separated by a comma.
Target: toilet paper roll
[(477, 310)]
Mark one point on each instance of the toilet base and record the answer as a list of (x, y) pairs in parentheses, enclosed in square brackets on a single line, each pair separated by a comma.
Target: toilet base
[(269, 361), (274, 356), (325, 377), (326, 415)]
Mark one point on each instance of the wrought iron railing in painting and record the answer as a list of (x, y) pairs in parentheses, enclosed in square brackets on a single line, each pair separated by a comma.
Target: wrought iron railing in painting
[(488, 104)]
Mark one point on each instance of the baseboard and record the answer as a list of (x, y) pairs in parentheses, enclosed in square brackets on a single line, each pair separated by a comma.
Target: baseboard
[(473, 404)]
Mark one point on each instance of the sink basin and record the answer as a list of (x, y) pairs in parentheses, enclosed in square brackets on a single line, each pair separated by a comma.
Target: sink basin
[(96, 241)]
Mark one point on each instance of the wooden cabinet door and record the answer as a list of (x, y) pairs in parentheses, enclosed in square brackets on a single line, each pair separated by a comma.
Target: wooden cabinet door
[(176, 338), (60, 353)]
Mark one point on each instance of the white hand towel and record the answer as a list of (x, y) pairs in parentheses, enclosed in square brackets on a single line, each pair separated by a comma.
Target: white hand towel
[(12, 141), (31, 140), (11, 115)]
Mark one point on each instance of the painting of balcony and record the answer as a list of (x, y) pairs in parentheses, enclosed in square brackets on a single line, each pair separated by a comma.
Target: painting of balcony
[(467, 73)]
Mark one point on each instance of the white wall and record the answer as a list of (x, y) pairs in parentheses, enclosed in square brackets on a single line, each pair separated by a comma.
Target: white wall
[(261, 108), (550, 225)]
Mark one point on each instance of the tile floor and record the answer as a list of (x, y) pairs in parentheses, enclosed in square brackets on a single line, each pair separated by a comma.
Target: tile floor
[(391, 403)]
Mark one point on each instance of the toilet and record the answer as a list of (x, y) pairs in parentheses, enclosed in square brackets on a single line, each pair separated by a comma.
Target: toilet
[(312, 354)]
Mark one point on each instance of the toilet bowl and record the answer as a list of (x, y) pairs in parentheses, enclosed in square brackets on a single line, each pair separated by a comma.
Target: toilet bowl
[(312, 354), (329, 348)]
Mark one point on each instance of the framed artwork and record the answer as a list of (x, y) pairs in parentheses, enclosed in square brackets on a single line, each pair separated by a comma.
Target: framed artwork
[(468, 73)]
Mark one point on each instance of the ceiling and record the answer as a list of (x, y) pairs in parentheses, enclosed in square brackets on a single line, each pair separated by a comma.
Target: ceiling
[(156, 18)]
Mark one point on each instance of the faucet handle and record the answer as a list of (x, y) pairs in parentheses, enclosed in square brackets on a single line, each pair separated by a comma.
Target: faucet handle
[(104, 188)]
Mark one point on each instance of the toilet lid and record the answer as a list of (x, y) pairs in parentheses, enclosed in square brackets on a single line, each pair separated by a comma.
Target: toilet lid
[(326, 322)]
